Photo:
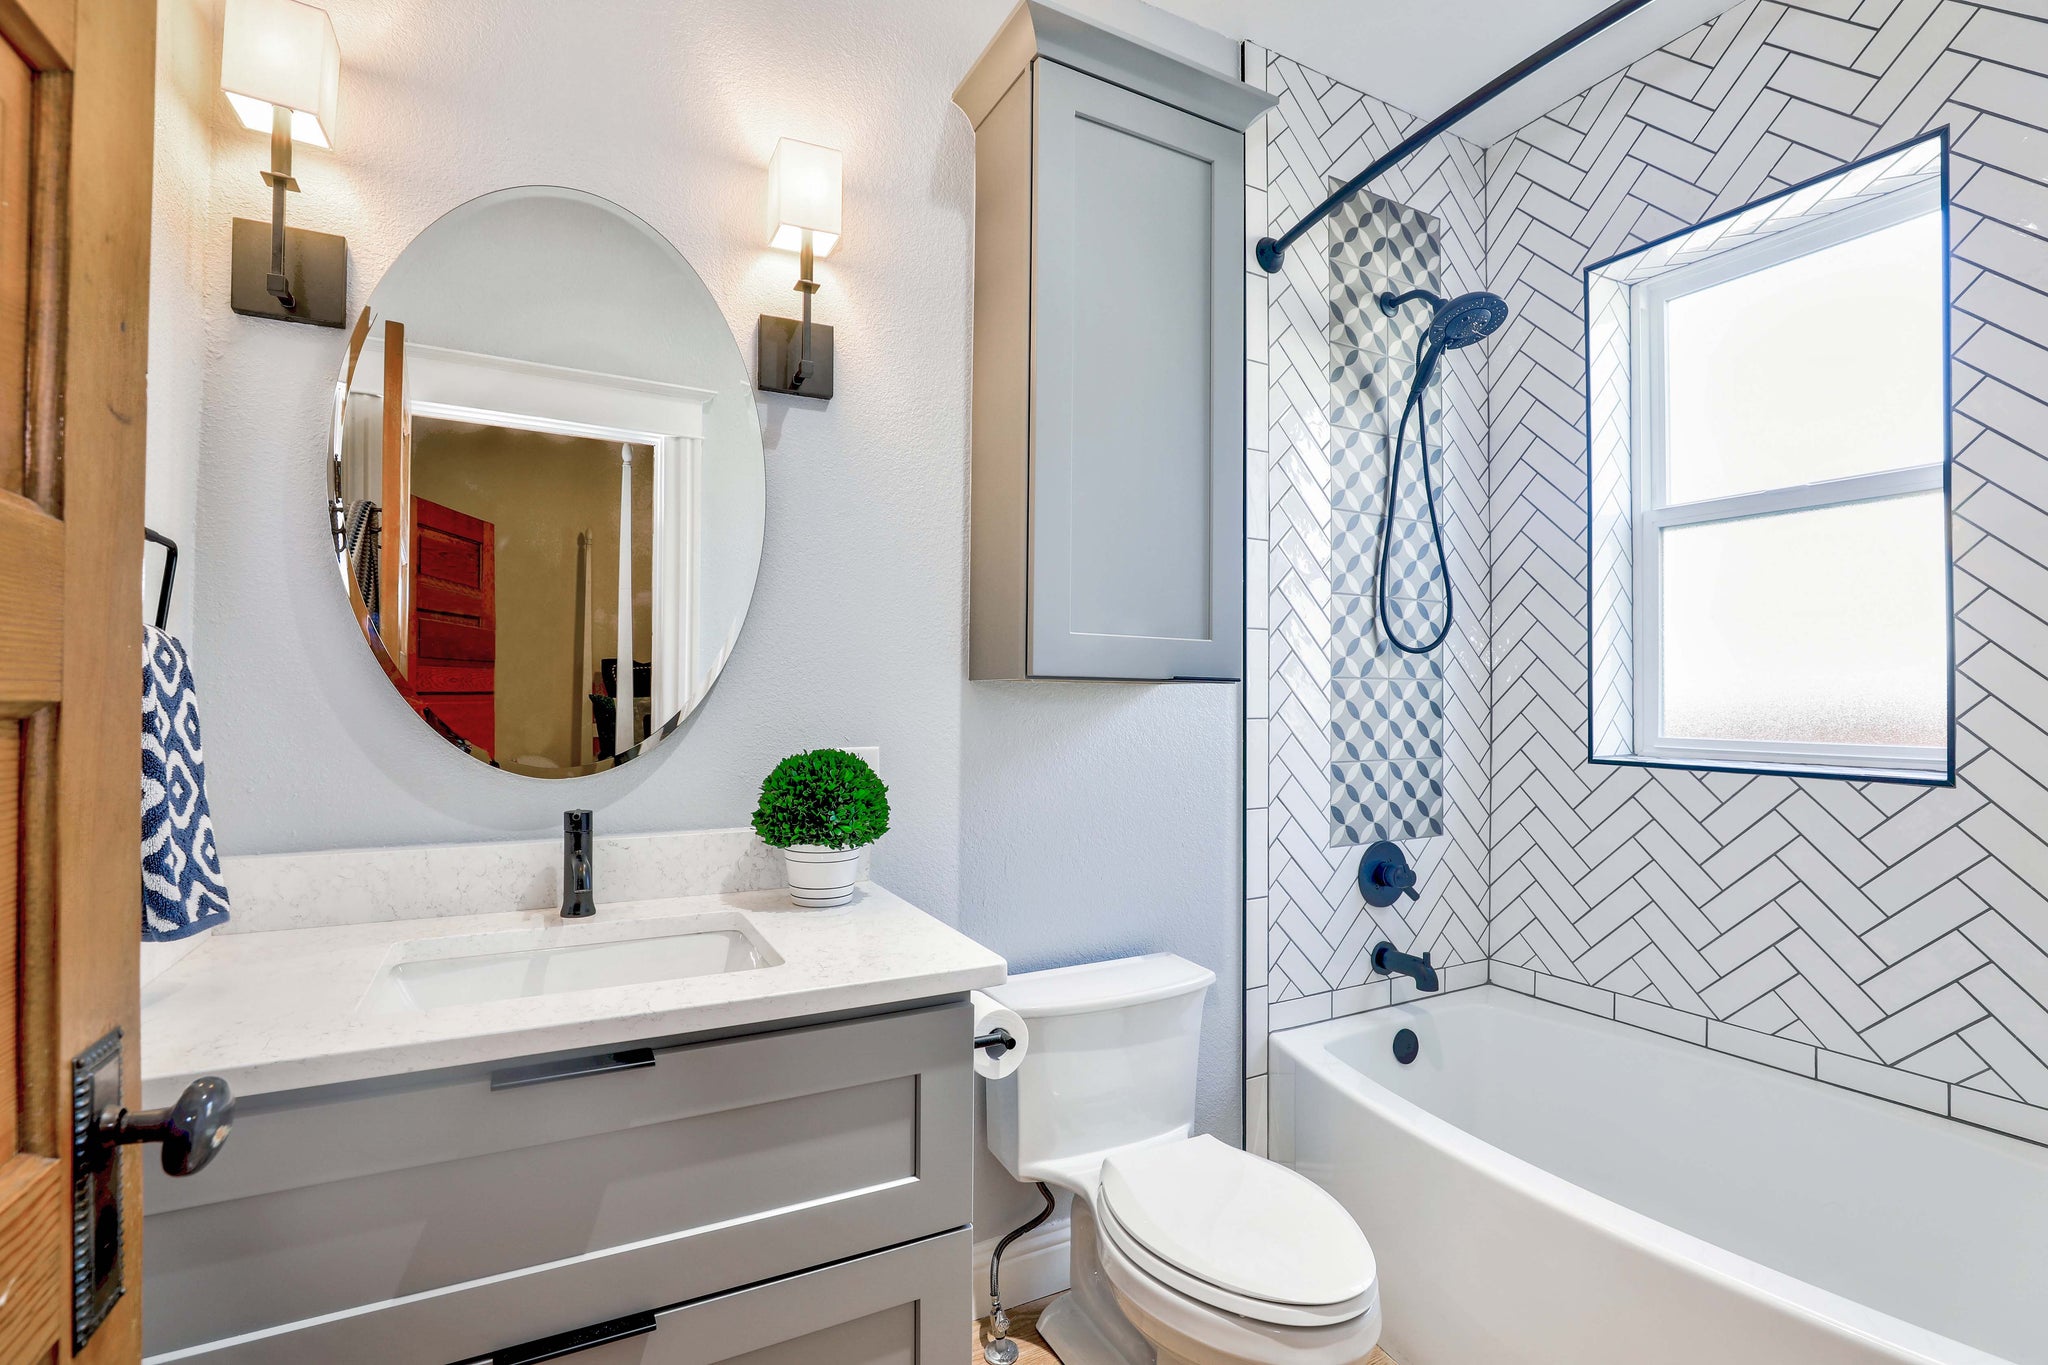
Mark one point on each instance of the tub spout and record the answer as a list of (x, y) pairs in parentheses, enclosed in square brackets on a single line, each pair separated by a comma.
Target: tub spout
[(1386, 958)]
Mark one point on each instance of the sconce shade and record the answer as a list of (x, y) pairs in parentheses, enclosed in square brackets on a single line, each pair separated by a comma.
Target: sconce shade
[(281, 52), (803, 195)]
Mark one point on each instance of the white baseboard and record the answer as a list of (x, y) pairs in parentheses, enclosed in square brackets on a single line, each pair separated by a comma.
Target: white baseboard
[(1034, 1266)]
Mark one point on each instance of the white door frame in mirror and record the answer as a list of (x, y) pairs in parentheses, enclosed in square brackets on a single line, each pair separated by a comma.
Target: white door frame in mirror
[(495, 391)]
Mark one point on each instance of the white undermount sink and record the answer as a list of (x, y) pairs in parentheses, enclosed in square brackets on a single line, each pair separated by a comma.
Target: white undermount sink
[(516, 964)]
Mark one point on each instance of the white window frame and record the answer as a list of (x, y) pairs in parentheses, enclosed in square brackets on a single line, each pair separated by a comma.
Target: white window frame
[(1652, 515)]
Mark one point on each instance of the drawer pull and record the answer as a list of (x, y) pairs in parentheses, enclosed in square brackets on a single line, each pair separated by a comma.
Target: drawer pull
[(574, 1343), (540, 1073)]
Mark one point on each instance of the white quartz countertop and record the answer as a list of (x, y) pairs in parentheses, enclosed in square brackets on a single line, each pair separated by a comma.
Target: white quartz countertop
[(301, 1007)]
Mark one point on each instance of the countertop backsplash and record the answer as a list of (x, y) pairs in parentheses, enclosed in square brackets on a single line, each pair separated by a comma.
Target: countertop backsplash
[(316, 890), (364, 885)]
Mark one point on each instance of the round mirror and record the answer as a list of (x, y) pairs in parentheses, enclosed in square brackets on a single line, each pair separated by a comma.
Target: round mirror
[(547, 492)]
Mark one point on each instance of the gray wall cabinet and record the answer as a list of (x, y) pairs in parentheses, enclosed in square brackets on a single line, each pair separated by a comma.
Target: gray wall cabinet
[(1107, 494), (434, 1219)]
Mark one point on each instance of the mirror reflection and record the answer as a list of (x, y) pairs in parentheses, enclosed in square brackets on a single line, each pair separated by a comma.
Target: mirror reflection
[(546, 462)]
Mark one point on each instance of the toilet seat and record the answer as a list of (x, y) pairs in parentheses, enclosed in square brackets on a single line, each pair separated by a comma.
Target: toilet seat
[(1185, 1331), (1238, 1233)]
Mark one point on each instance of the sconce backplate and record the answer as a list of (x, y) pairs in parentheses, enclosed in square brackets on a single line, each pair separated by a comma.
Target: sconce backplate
[(316, 263), (777, 344)]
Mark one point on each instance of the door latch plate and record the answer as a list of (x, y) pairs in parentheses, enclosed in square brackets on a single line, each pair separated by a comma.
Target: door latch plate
[(96, 1243)]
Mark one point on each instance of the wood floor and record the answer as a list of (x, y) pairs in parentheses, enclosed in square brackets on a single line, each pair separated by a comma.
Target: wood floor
[(1032, 1350)]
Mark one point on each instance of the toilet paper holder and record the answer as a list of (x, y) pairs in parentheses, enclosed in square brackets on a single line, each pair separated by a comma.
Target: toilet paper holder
[(1001, 1038)]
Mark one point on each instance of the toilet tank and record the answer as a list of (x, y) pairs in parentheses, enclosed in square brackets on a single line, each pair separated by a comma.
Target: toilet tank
[(1111, 1060)]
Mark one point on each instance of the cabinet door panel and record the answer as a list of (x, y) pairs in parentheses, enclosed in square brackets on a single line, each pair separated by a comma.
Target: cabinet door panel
[(1137, 509), (904, 1306), (751, 1157)]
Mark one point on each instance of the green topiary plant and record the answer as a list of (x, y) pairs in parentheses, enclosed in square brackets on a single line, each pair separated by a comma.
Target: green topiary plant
[(826, 797)]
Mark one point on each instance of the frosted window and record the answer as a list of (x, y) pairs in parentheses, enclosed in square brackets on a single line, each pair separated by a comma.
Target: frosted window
[(1823, 366), (1825, 626)]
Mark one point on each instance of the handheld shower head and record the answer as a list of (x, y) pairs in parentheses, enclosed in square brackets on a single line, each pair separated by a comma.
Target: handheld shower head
[(1456, 322), (1453, 323), (1467, 318)]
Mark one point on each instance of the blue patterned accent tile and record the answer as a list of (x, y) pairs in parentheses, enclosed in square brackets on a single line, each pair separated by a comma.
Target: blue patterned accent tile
[(1381, 719), (1414, 667), (1358, 470), (1386, 706), (1355, 644), (1354, 552), (1357, 815), (1411, 560), (1386, 720), (1390, 243), (1412, 566), (1415, 620), (1398, 333), (1358, 648), (1356, 715), (1409, 721), (1385, 801), (1367, 388), (1355, 318)]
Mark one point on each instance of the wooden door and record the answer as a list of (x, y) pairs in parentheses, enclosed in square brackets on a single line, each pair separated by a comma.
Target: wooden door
[(76, 94), (454, 627)]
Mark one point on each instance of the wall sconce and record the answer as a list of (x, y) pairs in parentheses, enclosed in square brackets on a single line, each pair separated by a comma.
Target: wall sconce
[(803, 216), (281, 68)]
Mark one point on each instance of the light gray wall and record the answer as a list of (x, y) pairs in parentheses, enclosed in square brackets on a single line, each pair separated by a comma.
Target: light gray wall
[(187, 89), (1054, 821)]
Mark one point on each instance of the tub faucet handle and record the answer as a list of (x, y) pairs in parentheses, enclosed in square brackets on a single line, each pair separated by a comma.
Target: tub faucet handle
[(1384, 875)]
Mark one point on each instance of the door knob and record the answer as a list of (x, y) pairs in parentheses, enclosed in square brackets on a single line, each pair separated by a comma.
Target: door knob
[(191, 1127)]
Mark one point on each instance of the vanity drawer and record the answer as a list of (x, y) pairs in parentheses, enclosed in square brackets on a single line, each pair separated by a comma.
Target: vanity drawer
[(906, 1306), (751, 1157)]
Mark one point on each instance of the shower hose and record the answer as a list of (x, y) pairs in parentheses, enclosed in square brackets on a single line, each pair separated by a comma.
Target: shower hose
[(1427, 353)]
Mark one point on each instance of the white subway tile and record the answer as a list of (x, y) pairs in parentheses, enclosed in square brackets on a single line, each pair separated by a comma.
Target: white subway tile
[(1885, 1082), (1767, 1048)]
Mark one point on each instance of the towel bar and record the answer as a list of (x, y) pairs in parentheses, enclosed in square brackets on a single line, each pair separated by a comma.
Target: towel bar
[(163, 592)]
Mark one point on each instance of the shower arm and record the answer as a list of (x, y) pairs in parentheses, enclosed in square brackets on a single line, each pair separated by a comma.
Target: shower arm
[(1272, 251)]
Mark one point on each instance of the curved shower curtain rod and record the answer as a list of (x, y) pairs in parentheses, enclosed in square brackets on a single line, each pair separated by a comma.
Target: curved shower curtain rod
[(1271, 251)]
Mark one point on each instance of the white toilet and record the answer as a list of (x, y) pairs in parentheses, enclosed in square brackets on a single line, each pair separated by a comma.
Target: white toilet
[(1184, 1249)]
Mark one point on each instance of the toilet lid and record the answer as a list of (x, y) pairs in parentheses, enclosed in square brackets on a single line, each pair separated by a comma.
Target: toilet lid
[(1240, 1222)]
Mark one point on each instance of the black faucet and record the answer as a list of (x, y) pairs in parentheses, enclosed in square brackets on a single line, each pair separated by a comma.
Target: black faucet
[(579, 875), (1386, 959)]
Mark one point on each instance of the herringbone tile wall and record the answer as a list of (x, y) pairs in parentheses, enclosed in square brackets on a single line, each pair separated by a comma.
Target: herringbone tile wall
[(1308, 936), (1892, 939)]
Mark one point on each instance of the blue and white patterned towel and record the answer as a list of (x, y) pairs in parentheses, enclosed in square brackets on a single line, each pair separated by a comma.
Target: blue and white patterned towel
[(182, 888)]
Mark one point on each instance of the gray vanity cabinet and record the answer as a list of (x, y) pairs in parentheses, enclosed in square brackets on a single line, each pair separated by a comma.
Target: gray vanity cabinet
[(1108, 485), (725, 1199)]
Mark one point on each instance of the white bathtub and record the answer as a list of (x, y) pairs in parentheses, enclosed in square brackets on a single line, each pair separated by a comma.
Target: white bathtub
[(1544, 1186)]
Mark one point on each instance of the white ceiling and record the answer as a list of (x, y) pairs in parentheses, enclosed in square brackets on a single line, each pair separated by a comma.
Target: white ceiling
[(1426, 55)]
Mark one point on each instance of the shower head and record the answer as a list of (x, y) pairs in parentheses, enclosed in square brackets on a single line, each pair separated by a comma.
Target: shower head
[(1467, 318), (1454, 322)]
